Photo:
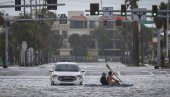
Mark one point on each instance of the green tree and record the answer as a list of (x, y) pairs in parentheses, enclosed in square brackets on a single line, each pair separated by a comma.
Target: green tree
[(79, 44), (85, 41), (101, 36), (162, 22), (132, 3), (74, 41), (34, 33), (54, 42), (102, 39), (1, 20)]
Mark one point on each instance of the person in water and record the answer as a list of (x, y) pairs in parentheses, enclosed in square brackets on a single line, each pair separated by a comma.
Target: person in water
[(111, 80), (103, 79)]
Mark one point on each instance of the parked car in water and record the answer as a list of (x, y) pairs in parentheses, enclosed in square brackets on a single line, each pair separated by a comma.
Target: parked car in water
[(66, 73)]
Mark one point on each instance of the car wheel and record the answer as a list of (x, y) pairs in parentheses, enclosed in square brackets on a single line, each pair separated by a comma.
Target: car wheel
[(52, 83)]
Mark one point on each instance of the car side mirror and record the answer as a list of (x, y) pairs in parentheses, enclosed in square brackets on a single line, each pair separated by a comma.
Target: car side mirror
[(82, 71), (50, 70)]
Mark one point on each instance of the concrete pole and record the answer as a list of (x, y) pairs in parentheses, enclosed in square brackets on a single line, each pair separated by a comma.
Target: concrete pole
[(101, 4), (167, 38), (6, 47), (36, 9), (24, 9), (31, 8), (140, 43), (158, 47)]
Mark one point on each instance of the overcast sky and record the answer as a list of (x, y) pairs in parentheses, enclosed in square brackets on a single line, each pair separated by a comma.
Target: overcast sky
[(81, 5)]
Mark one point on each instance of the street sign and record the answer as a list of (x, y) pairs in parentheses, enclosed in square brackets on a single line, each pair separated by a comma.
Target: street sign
[(108, 14), (147, 22), (140, 14), (63, 19)]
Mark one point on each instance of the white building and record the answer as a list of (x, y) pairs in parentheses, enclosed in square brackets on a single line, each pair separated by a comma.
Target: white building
[(78, 23)]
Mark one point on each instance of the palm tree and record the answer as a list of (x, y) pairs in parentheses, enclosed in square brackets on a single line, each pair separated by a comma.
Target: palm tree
[(1, 20), (75, 41), (132, 3), (161, 22)]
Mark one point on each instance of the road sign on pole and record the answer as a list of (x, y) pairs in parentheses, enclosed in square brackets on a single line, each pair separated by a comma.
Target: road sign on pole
[(147, 22), (139, 16), (109, 13)]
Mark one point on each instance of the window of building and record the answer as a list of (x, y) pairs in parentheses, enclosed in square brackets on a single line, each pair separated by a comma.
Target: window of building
[(78, 24)]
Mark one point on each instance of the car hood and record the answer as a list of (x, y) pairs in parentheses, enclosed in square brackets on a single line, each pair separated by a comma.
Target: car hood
[(67, 73)]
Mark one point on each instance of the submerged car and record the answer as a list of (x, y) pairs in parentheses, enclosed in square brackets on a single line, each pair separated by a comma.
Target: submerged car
[(66, 73)]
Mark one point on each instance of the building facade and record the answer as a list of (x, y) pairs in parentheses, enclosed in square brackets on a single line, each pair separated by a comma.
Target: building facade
[(78, 23)]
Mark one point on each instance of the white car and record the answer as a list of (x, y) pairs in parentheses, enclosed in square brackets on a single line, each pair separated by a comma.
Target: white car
[(66, 73)]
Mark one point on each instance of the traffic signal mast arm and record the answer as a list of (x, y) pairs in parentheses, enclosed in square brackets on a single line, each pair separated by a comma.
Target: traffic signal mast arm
[(149, 11), (33, 5), (130, 11)]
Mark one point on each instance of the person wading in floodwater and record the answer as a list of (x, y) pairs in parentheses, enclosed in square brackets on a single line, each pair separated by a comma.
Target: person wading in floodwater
[(103, 79), (111, 80)]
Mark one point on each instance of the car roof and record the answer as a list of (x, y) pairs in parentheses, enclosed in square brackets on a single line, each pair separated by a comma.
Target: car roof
[(73, 63)]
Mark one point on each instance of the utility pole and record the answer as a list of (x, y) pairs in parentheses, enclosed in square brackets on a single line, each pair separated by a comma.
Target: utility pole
[(36, 9), (101, 4), (24, 8), (6, 46), (31, 8), (158, 49), (167, 38)]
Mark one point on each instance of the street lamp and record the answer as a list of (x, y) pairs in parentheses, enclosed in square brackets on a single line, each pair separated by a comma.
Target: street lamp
[(5, 22)]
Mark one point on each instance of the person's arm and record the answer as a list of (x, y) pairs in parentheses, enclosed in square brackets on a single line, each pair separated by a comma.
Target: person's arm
[(116, 79)]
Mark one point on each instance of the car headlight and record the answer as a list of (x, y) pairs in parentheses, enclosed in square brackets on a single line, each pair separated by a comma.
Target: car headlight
[(80, 76), (53, 76)]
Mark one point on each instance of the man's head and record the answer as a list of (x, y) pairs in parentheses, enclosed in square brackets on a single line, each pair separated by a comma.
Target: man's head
[(110, 73), (104, 74)]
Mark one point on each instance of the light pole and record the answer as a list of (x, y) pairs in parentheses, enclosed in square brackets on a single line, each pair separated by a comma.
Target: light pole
[(24, 8), (6, 46), (101, 4), (167, 48), (6, 24), (31, 8)]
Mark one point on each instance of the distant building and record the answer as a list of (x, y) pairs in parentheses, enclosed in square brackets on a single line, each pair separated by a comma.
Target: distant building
[(80, 24)]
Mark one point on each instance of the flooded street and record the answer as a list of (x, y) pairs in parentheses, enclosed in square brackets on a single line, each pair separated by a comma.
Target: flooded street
[(147, 82)]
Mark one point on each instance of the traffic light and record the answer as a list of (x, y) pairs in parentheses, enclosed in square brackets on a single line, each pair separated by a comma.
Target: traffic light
[(94, 9), (119, 21), (17, 2), (63, 19), (123, 10), (105, 22), (51, 2), (154, 10)]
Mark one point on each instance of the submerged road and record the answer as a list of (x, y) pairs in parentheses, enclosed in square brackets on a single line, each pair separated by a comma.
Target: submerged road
[(35, 82)]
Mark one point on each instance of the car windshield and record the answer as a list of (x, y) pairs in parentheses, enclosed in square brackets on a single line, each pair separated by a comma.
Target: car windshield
[(66, 67)]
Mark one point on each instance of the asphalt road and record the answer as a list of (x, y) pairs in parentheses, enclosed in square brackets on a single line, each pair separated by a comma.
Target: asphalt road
[(34, 82)]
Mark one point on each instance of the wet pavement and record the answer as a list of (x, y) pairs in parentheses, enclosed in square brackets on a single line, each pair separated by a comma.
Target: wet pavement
[(35, 82)]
